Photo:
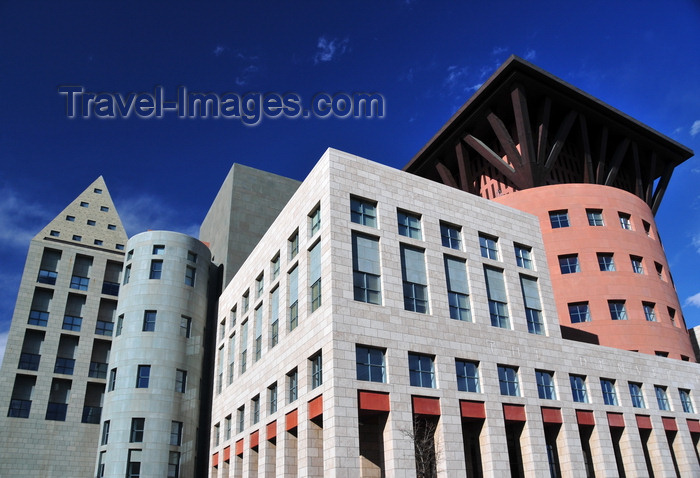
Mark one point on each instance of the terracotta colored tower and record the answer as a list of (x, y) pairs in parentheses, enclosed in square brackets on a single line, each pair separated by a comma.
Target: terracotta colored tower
[(595, 178)]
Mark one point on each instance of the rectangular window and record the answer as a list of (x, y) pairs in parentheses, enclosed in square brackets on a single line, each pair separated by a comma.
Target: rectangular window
[(686, 401), (133, 464), (90, 222), (272, 398), (545, 384), (293, 245), (409, 225), (523, 256), (84, 204), (127, 274), (71, 323), (649, 311), (659, 270), (488, 246), (136, 433), (292, 385), (415, 282), (274, 317), (217, 437), (64, 365), (175, 433), (149, 321), (190, 273), (246, 301), (255, 402), (467, 376), (363, 212), (244, 346), (104, 209), (498, 301), (143, 376), (508, 380), (451, 236), (315, 276), (112, 379), (595, 217), (609, 393), (315, 221), (185, 326), (421, 370), (156, 269), (275, 267), (158, 250), (661, 398), (79, 283), (370, 364), (191, 256), (240, 414), (533, 306), (636, 395), (227, 428), (606, 263), (293, 281), (258, 333), (231, 357), (559, 219), (625, 221), (457, 288), (579, 312), (174, 464), (366, 269), (81, 272), (569, 264), (617, 309), (316, 370), (259, 285), (105, 433), (180, 380), (578, 388), (637, 267)]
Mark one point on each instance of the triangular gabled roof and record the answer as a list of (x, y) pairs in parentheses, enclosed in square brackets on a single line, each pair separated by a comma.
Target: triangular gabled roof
[(90, 220)]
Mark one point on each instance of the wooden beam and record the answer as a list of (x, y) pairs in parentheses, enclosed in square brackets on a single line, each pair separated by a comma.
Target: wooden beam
[(637, 171), (445, 175), (505, 139), (543, 130), (588, 174), (650, 179), (488, 154), (617, 161), (559, 141), (522, 124), (661, 188), (602, 158), (465, 180)]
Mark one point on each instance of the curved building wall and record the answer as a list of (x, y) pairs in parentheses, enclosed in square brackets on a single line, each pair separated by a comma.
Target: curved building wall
[(152, 331), (660, 330)]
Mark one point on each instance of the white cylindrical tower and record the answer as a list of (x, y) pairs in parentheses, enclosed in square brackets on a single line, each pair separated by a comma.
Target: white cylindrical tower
[(151, 408)]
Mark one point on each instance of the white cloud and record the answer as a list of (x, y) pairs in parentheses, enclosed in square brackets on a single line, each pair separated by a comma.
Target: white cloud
[(3, 344), (219, 50), (497, 50), (456, 76), (329, 49), (530, 55), (148, 212), (20, 218), (695, 129), (693, 300)]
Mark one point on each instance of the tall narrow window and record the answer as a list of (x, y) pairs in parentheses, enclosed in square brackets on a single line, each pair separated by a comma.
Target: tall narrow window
[(366, 269), (636, 395), (523, 256), (274, 317), (272, 398), (316, 370), (609, 393), (595, 217), (255, 402), (415, 282), (578, 388), (662, 398), (421, 370), (81, 272), (244, 346), (363, 212), (105, 433), (156, 269), (315, 276), (498, 301), (275, 267), (48, 269), (369, 363), (457, 288), (315, 221), (175, 433), (559, 219), (649, 311), (625, 221), (617, 309), (112, 380), (241, 418), (258, 333), (185, 326), (451, 236), (409, 225), (259, 285), (180, 380), (149, 321), (137, 427), (545, 384), (508, 380), (533, 306), (231, 357), (293, 282), (127, 274), (488, 246), (245, 300), (143, 376), (686, 401), (293, 245), (467, 376), (173, 464), (292, 385), (190, 273)]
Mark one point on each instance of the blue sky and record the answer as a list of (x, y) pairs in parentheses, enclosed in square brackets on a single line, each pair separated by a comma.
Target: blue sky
[(425, 58)]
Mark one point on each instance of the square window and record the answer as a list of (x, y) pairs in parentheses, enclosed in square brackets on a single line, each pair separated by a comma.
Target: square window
[(637, 267), (606, 262), (143, 376), (625, 221), (191, 256), (156, 269), (158, 250), (451, 236), (467, 376), (409, 225), (649, 311), (488, 246), (545, 384), (79, 283), (363, 212), (609, 393), (508, 380), (569, 264), (559, 219), (149, 321), (636, 395), (421, 370), (617, 309), (370, 364), (523, 256), (578, 388), (72, 323), (595, 217), (579, 312), (315, 221), (662, 398)]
